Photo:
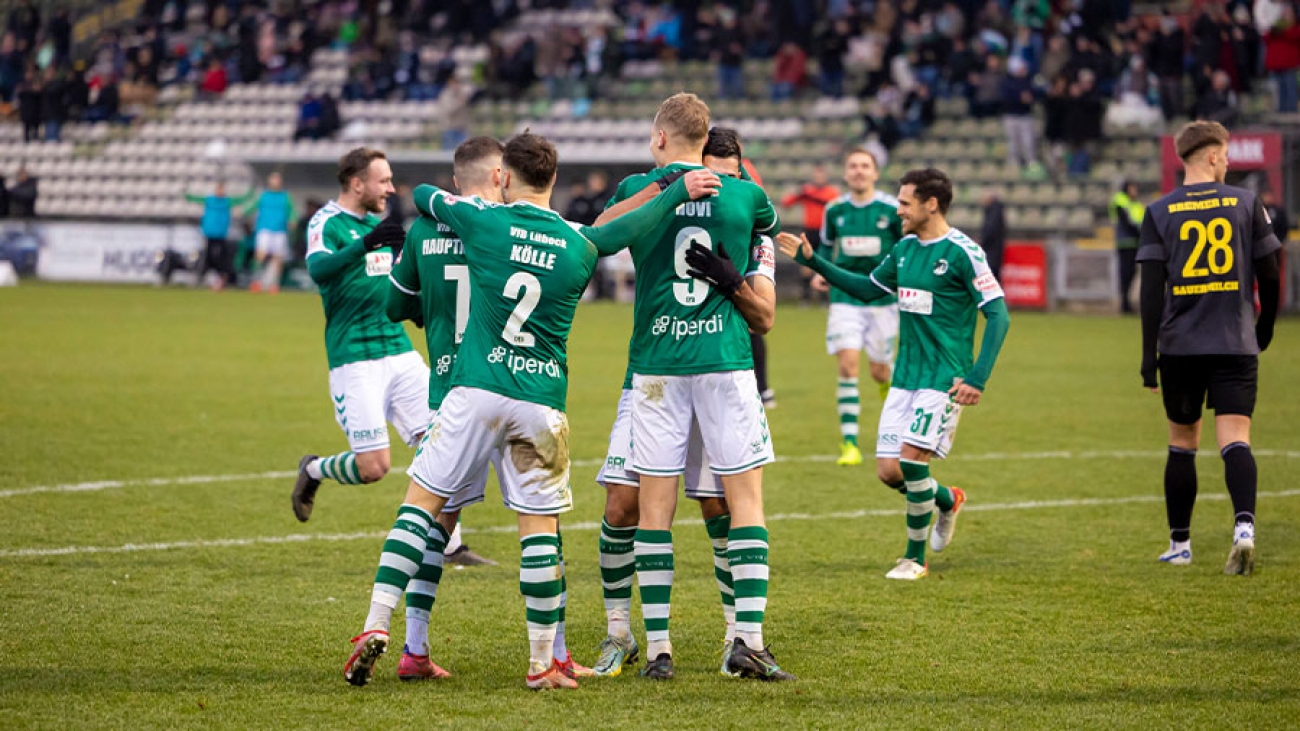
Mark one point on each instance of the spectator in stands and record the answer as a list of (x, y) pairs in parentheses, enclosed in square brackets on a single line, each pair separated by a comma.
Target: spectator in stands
[(1137, 97), (1126, 211), (22, 197), (454, 101), (1055, 108), (1219, 103), (78, 90), (54, 104), (330, 119), (106, 105), (993, 230), (29, 106), (988, 88), (309, 118), (589, 199), (11, 67), (918, 111), (214, 81), (1083, 114), (832, 44), (4, 198), (730, 59), (24, 23), (1276, 213), (1246, 49), (790, 71), (60, 32), (962, 66), (215, 226), (1017, 94), (1282, 56), (1167, 52)]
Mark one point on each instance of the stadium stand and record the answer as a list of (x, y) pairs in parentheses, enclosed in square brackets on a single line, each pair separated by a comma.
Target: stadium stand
[(590, 77)]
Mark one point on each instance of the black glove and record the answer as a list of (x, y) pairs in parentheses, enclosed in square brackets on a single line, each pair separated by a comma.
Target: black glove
[(1149, 373), (669, 179), (713, 268), (388, 233), (1263, 334)]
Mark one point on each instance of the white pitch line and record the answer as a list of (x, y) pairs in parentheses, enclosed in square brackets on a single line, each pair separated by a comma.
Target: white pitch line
[(285, 474), (589, 526)]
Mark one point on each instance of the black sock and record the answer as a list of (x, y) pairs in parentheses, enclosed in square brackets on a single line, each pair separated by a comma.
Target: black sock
[(1240, 474), (1180, 492), (759, 347)]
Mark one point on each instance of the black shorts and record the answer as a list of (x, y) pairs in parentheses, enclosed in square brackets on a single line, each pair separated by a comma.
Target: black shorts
[(1224, 383)]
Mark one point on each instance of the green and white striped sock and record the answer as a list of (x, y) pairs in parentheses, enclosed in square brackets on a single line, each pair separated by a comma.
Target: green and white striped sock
[(402, 556), (423, 590), (541, 581), (849, 405), (617, 567), (920, 504), (943, 497), (341, 468), (718, 528), (654, 574), (747, 553), (559, 648)]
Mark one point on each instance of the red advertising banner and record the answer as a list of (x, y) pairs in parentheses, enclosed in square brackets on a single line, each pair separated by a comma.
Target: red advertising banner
[(1024, 274)]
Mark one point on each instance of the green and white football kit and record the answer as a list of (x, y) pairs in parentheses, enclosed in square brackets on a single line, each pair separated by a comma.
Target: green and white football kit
[(430, 280), (528, 268), (690, 351), (857, 237), (940, 285), (699, 479), (375, 375)]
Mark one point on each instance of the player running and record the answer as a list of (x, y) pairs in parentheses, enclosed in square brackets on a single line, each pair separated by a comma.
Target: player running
[(754, 295), (941, 278), (375, 374), (858, 231), (528, 268), (1203, 248), (691, 363)]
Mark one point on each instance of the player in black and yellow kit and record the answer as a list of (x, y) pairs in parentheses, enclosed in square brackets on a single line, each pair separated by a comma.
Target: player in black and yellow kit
[(1203, 248)]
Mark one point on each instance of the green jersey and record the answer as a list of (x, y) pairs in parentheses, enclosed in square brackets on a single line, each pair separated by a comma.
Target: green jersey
[(680, 325), (432, 267), (940, 285), (528, 267), (353, 287), (858, 236)]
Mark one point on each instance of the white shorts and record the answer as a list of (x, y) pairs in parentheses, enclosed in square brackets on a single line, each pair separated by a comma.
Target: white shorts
[(858, 327), (271, 243), (924, 419), (724, 408), (477, 489), (700, 481), (530, 442), (369, 393)]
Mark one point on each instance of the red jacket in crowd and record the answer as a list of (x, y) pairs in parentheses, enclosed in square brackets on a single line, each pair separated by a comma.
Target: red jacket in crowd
[(1282, 49)]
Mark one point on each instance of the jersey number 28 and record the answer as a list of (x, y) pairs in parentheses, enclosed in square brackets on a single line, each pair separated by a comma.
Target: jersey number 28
[(1218, 233)]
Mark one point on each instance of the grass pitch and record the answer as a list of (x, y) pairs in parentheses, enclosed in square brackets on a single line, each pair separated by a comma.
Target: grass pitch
[(153, 574)]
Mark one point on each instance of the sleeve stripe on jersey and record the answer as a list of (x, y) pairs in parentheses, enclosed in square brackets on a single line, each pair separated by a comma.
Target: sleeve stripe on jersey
[(398, 284), (776, 220), (878, 284)]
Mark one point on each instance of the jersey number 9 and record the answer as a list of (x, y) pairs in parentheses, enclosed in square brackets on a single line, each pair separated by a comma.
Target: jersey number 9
[(1218, 234), (690, 293)]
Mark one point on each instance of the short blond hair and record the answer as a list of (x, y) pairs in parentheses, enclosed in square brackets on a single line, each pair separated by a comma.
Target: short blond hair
[(685, 116), (1195, 136)]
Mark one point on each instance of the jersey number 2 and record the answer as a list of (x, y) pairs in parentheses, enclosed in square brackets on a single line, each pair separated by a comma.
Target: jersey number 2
[(524, 287), (692, 292), (1218, 233)]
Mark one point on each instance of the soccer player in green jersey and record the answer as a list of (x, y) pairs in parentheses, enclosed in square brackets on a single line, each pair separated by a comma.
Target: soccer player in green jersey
[(375, 375), (858, 231), (692, 370), (941, 279), (528, 268), (754, 295)]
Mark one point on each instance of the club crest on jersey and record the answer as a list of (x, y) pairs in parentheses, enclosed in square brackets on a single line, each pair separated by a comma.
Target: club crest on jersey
[(354, 233), (882, 222), (941, 268), (839, 221)]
